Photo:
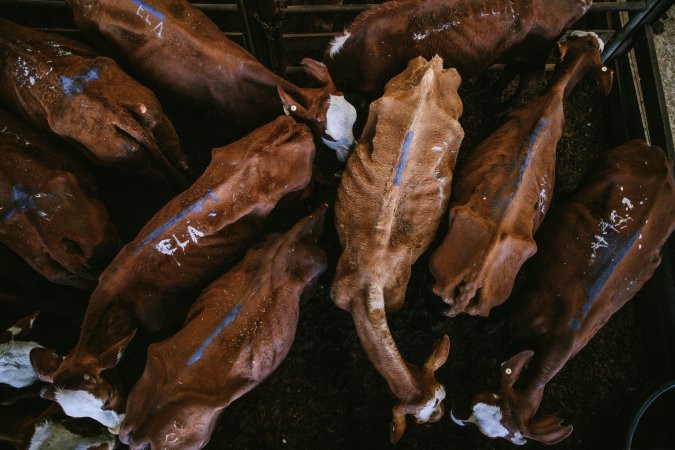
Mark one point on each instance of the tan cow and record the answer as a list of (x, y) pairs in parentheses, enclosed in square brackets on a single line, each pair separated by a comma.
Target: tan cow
[(503, 191), (469, 35), (392, 196), (63, 87), (176, 47), (50, 213), (238, 332), (192, 239), (595, 252)]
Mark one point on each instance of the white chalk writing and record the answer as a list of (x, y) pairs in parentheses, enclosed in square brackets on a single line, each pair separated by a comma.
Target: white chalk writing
[(615, 223), (171, 245), (151, 16)]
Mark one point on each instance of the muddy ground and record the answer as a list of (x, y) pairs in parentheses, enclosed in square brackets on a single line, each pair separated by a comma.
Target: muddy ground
[(326, 395)]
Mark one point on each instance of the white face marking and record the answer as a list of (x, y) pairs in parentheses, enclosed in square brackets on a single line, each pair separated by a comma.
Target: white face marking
[(83, 404), (518, 439), (337, 43), (489, 419), (50, 435), (15, 367), (340, 119), (579, 33), (431, 406)]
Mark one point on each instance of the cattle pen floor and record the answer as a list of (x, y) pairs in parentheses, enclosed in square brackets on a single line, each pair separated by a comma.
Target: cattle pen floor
[(326, 395)]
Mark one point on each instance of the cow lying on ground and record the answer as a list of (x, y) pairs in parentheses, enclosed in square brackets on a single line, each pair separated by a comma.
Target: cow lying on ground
[(176, 47), (237, 333), (503, 191), (49, 211), (392, 196), (61, 86), (192, 239), (469, 35), (596, 251)]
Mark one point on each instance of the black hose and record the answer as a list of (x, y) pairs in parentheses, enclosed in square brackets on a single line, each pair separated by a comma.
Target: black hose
[(646, 401)]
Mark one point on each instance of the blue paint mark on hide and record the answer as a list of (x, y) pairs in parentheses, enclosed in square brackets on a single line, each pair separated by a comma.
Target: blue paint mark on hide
[(22, 201), (150, 9), (404, 157), (530, 147), (501, 202), (196, 356), (75, 85), (601, 270), (196, 206)]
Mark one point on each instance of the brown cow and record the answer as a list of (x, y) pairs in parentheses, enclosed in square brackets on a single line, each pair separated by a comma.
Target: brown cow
[(61, 86), (504, 190), (469, 35), (178, 48), (237, 333), (49, 211), (184, 246), (596, 251), (392, 196)]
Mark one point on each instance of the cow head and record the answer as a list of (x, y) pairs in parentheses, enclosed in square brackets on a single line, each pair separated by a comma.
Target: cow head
[(590, 46), (58, 228), (164, 415), (508, 414), (84, 385), (15, 368), (431, 408), (324, 109)]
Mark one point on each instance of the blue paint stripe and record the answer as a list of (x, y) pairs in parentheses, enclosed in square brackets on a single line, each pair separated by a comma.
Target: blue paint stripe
[(196, 206), (75, 85), (21, 201), (202, 348), (404, 157), (530, 148), (604, 270), (160, 15), (501, 201)]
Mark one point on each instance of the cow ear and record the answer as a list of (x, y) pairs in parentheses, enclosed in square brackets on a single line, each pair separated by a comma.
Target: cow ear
[(398, 425), (563, 47), (439, 356), (548, 430), (112, 356), (292, 107), (45, 362), (605, 77), (19, 329), (512, 368), (317, 71)]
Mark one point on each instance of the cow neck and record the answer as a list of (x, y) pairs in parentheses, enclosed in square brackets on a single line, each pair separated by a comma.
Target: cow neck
[(378, 342), (106, 322), (571, 70)]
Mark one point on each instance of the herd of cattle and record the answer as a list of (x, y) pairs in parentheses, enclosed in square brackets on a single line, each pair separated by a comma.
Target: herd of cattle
[(591, 255)]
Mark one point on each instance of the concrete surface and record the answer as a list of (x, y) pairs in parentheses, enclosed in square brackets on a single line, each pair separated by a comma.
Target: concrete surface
[(665, 50)]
